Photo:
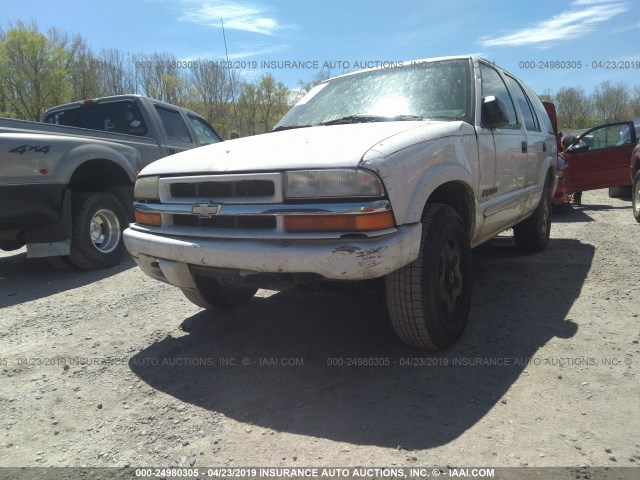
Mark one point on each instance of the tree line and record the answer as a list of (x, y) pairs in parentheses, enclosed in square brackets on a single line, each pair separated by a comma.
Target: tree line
[(39, 70)]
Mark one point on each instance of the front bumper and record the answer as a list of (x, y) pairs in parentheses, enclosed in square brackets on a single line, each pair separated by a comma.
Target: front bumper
[(168, 258)]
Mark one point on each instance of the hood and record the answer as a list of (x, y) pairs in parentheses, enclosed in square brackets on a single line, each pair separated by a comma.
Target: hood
[(335, 146)]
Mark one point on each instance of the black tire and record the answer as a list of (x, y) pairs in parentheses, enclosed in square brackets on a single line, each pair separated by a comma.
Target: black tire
[(532, 234), (635, 199), (620, 192), (98, 222), (60, 263), (10, 245), (429, 299), (211, 294)]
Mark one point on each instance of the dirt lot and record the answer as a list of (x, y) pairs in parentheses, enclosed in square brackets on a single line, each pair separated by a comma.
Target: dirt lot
[(112, 368)]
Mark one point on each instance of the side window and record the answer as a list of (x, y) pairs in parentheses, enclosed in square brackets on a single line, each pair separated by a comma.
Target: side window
[(492, 85), (206, 135), (608, 136), (528, 115), (173, 125)]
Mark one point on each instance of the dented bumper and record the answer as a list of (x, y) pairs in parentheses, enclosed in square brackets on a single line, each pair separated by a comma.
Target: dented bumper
[(169, 258)]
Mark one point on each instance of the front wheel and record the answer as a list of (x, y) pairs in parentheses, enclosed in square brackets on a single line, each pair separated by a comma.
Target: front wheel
[(429, 299), (212, 294), (98, 222), (532, 234), (636, 196)]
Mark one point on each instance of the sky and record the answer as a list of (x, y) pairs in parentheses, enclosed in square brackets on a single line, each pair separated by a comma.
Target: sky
[(590, 40)]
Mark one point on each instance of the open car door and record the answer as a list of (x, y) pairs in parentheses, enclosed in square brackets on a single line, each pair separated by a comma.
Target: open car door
[(600, 158)]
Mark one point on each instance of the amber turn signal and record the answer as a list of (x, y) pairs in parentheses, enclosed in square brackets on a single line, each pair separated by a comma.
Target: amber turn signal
[(366, 222), (147, 218)]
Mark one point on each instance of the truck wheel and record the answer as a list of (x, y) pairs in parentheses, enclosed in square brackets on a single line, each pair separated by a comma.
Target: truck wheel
[(211, 294), (429, 299), (10, 245), (620, 192), (60, 263), (636, 196), (532, 234), (96, 241)]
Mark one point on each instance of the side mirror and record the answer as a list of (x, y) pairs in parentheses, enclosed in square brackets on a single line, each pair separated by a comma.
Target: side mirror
[(494, 112)]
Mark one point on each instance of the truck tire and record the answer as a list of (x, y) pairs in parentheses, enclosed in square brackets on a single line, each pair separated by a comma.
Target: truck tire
[(211, 294), (10, 245), (532, 235), (620, 192), (60, 263), (636, 196), (98, 221), (429, 299)]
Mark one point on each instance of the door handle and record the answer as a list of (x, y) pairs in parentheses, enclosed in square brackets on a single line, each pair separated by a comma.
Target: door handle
[(524, 147), (170, 151), (544, 146)]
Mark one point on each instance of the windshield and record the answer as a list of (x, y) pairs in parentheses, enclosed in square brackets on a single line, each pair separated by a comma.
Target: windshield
[(427, 90)]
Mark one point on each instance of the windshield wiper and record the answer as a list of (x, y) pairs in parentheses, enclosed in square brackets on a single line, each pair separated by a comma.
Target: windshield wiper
[(289, 127), (370, 118)]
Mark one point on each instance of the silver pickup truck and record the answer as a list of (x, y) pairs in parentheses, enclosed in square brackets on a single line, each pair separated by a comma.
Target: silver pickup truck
[(66, 183), (390, 172)]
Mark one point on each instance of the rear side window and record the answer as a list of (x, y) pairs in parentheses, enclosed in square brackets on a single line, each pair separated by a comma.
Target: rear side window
[(492, 85), (528, 115), (173, 125), (116, 117)]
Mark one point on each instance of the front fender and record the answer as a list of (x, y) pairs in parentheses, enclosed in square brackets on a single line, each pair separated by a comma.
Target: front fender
[(412, 174)]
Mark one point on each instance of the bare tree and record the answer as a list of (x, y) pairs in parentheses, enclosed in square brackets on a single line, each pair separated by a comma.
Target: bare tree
[(213, 93), (160, 76), (115, 72), (634, 104), (611, 102)]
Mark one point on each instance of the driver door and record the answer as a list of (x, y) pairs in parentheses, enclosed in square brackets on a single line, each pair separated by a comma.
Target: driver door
[(600, 158)]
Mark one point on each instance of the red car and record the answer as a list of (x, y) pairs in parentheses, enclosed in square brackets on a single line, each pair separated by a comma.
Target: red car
[(599, 158)]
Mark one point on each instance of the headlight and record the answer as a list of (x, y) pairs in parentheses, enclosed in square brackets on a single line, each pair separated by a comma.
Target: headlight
[(146, 189), (332, 183)]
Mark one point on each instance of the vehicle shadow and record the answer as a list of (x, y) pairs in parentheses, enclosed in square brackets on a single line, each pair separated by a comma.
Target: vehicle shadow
[(24, 279), (579, 213), (345, 375)]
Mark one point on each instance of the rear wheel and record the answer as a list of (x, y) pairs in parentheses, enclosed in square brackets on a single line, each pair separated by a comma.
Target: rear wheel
[(211, 294), (60, 263), (429, 299), (98, 222), (636, 196), (532, 234)]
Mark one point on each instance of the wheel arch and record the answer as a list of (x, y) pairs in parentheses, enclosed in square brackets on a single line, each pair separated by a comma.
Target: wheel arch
[(104, 175), (459, 196)]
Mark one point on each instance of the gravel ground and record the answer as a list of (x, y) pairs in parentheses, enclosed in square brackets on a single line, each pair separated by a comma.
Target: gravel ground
[(112, 368)]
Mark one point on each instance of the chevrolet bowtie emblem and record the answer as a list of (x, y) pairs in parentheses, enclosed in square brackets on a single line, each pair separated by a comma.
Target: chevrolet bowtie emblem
[(205, 210)]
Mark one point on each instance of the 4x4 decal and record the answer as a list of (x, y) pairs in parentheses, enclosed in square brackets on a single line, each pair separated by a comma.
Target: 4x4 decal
[(31, 148)]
